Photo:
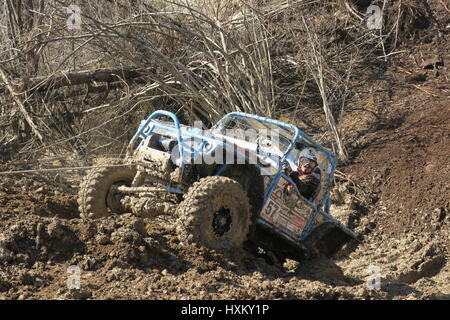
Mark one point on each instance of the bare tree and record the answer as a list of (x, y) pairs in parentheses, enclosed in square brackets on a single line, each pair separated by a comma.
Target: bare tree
[(69, 88), (315, 60)]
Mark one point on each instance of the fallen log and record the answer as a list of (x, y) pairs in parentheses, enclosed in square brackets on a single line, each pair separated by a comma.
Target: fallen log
[(83, 77)]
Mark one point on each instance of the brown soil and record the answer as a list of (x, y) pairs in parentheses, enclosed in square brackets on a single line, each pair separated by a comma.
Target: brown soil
[(407, 169), (126, 257), (399, 163)]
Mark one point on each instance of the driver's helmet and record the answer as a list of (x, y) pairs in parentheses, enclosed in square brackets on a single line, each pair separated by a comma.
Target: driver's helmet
[(307, 157)]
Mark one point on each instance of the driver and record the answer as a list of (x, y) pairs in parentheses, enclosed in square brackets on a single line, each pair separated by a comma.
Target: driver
[(305, 178)]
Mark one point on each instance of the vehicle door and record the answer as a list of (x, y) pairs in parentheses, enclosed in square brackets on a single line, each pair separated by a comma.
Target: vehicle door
[(289, 213)]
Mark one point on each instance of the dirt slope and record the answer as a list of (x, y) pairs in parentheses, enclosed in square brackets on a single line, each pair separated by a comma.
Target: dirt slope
[(404, 226), (125, 257), (400, 144)]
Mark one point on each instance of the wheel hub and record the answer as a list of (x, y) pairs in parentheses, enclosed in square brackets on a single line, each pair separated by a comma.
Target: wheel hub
[(113, 197), (221, 221)]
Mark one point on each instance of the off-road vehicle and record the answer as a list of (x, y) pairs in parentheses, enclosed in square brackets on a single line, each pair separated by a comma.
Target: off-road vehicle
[(225, 185)]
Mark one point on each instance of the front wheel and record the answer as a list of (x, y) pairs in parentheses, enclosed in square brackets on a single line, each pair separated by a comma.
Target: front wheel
[(215, 213), (95, 197)]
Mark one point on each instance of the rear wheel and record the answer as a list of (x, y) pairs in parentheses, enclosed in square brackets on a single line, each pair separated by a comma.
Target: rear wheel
[(215, 213), (95, 197)]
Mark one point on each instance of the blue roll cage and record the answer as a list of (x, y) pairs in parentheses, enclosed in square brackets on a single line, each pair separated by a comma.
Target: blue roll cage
[(147, 128)]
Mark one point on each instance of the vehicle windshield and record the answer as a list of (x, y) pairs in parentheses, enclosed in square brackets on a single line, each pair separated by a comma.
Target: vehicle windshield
[(257, 130)]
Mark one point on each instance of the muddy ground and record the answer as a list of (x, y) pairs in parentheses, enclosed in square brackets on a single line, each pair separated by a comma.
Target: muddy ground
[(394, 193), (126, 257), (403, 223)]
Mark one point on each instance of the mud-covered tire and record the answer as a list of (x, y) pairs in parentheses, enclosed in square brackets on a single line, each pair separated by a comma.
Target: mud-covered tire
[(94, 188), (251, 180), (215, 213)]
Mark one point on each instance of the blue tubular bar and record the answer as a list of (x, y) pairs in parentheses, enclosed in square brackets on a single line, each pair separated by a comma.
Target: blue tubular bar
[(298, 133), (174, 190), (147, 128), (221, 169), (330, 183), (140, 132)]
